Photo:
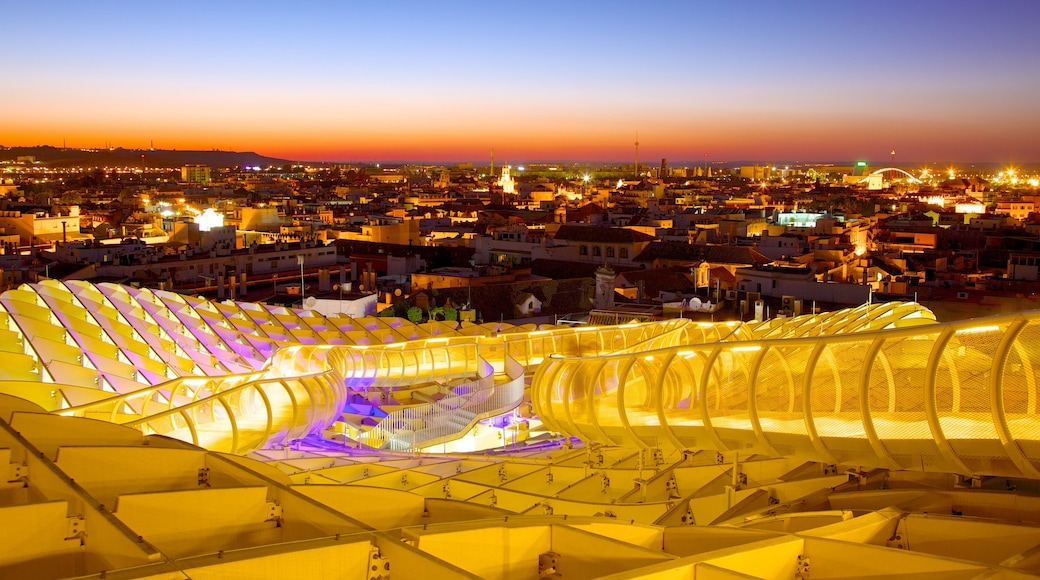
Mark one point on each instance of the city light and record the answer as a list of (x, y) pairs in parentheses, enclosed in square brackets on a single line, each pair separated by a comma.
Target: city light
[(278, 299), (209, 219)]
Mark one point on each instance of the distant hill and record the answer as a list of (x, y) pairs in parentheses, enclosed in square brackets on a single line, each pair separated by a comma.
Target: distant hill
[(61, 157)]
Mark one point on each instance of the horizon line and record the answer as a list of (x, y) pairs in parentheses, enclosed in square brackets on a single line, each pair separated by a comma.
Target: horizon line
[(404, 161)]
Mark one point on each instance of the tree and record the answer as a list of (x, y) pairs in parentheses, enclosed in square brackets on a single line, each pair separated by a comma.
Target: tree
[(71, 197), (441, 258), (450, 314), (549, 290), (415, 314)]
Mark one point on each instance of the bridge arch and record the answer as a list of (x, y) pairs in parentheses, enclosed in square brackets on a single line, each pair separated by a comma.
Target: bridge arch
[(896, 169)]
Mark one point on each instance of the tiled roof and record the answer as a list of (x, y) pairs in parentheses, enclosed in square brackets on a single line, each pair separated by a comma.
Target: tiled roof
[(663, 280), (564, 269), (601, 235), (701, 252), (723, 274)]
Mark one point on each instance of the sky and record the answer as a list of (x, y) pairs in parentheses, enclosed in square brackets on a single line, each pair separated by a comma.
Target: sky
[(937, 81)]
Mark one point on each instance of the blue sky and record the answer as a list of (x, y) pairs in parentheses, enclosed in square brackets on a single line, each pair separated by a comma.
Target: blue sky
[(938, 81)]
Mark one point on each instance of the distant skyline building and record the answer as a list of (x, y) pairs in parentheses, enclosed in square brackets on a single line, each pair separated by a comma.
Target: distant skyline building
[(196, 173), (506, 181)]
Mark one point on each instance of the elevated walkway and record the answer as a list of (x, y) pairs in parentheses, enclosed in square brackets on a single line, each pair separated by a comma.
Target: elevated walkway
[(871, 388)]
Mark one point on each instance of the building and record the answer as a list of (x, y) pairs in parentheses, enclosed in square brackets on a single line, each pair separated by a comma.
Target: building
[(701, 258), (1018, 210), (506, 181), (779, 280), (511, 246), (602, 245), (196, 173), (37, 228), (384, 230), (453, 277), (220, 267), (1024, 266)]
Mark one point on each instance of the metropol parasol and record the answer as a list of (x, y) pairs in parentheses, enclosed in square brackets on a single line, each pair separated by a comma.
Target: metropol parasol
[(152, 435)]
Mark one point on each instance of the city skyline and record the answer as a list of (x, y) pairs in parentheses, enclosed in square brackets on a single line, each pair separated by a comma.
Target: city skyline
[(937, 82), (133, 159)]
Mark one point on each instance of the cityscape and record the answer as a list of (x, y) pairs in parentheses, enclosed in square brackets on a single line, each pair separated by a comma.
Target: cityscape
[(544, 291), (392, 237)]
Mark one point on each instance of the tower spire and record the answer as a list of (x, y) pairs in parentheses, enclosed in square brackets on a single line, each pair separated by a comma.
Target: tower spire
[(637, 154)]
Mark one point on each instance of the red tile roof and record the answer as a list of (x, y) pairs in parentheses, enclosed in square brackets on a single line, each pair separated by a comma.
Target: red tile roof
[(601, 235)]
